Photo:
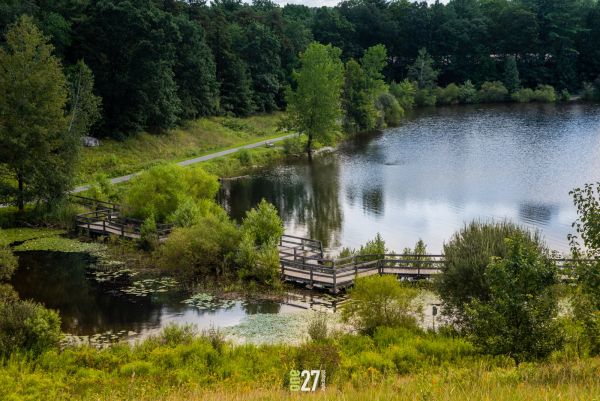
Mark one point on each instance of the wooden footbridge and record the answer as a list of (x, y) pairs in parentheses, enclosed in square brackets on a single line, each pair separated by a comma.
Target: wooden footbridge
[(105, 219), (302, 261)]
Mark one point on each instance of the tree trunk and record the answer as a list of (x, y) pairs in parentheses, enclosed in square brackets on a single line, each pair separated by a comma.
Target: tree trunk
[(309, 146), (20, 195)]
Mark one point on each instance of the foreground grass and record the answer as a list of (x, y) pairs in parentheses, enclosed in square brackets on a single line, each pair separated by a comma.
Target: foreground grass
[(393, 365), (196, 138)]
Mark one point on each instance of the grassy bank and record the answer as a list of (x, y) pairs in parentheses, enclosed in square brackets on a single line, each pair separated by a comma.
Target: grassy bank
[(392, 365), (196, 138)]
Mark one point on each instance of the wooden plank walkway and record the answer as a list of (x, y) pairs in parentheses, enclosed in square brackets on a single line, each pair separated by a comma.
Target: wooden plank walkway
[(106, 220), (302, 262)]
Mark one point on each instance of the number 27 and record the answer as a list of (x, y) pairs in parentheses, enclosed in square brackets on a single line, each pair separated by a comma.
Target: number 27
[(307, 375)]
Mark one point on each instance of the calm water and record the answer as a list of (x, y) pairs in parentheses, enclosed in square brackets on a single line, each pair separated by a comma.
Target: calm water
[(64, 282), (443, 167)]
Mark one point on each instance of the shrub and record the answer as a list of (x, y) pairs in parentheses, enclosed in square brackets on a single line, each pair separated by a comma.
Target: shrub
[(467, 93), (390, 109), (259, 262), (564, 95), (294, 146), (148, 234), (519, 317), (27, 326), (317, 327), (492, 92), (448, 95), (544, 94), (8, 261), (523, 95), (377, 301), (467, 256), (244, 156), (102, 189), (425, 97), (405, 93), (159, 190), (189, 212), (206, 248), (587, 93), (263, 224), (374, 248)]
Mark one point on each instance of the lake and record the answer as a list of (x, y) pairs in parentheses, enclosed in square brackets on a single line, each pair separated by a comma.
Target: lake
[(441, 168)]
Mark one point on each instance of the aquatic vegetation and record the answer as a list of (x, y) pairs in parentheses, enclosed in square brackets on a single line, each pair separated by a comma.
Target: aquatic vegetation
[(59, 244), (207, 301), (98, 340), (142, 288), (16, 235)]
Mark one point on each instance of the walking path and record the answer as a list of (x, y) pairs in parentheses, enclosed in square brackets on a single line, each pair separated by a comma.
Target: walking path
[(125, 178)]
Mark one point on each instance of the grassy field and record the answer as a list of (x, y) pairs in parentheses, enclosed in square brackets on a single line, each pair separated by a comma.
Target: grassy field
[(196, 138), (392, 365)]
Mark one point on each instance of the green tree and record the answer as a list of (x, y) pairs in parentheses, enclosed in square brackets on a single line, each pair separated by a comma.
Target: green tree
[(467, 256), (8, 261), (519, 317), (359, 109), (314, 106), (34, 131), (422, 71), (511, 74)]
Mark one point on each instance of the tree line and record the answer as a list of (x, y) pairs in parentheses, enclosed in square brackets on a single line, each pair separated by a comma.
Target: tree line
[(156, 62)]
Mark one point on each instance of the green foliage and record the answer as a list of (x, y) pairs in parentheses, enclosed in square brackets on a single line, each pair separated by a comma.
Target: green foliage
[(422, 71), (244, 156), (544, 94), (360, 113), (102, 189), (448, 95), (587, 92), (404, 92), (27, 327), (160, 190), (523, 95), (468, 93), (8, 261), (511, 74), (263, 224), (294, 146), (314, 106), (202, 249), (467, 255), (317, 327), (492, 92), (148, 234), (425, 97), (564, 95), (34, 131), (377, 301), (390, 109), (519, 317)]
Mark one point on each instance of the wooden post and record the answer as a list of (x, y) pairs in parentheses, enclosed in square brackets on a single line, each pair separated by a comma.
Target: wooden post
[(334, 278), (295, 249), (123, 230), (103, 226), (312, 281)]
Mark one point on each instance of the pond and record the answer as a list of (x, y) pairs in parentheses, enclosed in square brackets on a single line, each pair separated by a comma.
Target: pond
[(64, 282), (441, 168)]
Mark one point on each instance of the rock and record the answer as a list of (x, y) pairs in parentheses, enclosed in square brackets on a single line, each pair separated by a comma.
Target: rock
[(90, 142)]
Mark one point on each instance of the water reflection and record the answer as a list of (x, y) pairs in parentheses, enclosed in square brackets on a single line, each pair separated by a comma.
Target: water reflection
[(443, 167)]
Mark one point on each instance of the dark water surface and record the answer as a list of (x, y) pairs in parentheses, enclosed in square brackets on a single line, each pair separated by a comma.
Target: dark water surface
[(441, 168), (63, 281)]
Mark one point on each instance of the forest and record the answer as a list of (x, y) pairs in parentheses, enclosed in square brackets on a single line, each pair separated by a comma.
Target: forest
[(156, 63)]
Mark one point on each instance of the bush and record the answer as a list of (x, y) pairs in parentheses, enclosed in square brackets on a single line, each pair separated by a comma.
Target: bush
[(519, 317), (263, 224), (374, 248), (244, 156), (523, 95), (587, 93), (102, 189), (425, 97), (260, 263), (468, 254), (544, 94), (206, 248), (390, 109), (317, 327), (564, 96), (148, 234), (405, 93), (492, 92), (448, 95), (467, 93), (159, 190), (378, 301), (27, 326), (8, 261)]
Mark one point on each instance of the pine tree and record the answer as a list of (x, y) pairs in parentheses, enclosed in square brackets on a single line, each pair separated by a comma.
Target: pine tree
[(511, 75)]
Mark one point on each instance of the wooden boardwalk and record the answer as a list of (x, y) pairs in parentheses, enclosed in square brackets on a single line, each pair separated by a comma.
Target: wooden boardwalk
[(302, 261), (106, 220)]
